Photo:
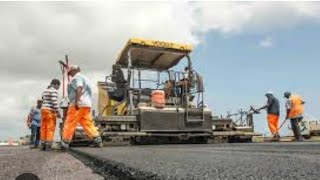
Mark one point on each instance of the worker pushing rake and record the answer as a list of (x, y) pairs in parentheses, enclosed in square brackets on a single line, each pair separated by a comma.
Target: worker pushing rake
[(273, 112)]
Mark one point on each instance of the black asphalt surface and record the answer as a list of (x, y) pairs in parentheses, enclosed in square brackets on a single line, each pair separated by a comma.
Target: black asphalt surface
[(218, 161)]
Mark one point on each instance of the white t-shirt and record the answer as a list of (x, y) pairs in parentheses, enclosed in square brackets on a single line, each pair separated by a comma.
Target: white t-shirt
[(80, 80)]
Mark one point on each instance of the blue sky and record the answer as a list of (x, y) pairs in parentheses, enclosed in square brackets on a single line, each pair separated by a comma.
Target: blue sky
[(238, 70)]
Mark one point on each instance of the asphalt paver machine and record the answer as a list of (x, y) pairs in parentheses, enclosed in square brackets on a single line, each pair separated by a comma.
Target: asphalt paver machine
[(151, 98)]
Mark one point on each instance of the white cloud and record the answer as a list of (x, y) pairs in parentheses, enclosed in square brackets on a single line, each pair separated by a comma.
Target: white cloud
[(257, 17), (35, 35), (267, 42)]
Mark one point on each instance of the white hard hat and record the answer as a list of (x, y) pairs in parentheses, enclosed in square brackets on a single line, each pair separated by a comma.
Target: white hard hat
[(269, 92)]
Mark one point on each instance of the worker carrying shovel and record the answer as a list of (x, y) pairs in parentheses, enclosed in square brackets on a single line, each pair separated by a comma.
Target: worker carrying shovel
[(273, 112)]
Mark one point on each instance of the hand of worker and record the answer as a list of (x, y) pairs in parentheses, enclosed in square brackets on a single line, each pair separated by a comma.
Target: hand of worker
[(254, 109), (29, 124), (58, 115), (76, 106)]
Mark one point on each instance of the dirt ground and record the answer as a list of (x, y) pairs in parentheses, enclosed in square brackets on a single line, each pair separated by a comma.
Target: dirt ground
[(46, 165)]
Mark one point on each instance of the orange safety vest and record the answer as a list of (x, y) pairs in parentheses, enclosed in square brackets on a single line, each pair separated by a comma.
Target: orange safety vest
[(296, 108)]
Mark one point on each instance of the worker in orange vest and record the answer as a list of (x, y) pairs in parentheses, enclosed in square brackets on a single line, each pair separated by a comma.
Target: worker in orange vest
[(273, 111), (295, 112)]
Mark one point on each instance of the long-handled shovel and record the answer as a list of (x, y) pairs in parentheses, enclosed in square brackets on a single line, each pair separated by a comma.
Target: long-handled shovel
[(282, 124)]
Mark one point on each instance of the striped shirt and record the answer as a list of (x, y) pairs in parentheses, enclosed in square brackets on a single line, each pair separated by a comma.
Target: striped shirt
[(50, 99)]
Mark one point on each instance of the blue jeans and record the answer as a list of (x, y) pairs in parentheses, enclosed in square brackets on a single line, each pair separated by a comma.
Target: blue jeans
[(35, 135)]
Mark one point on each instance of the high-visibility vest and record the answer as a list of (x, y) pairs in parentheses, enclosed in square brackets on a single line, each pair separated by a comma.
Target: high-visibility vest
[(296, 106)]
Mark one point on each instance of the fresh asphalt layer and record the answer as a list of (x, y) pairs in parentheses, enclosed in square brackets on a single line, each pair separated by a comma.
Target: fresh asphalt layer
[(210, 161)]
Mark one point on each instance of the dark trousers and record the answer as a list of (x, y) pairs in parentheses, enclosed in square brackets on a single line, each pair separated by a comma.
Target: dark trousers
[(35, 135), (296, 128)]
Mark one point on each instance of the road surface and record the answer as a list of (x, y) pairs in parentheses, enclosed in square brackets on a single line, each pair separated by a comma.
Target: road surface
[(46, 165), (212, 161)]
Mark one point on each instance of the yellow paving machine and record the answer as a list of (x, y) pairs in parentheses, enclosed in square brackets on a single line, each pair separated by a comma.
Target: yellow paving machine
[(148, 99), (154, 96)]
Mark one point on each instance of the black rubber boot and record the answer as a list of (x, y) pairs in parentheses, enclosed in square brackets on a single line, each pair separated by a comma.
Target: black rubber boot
[(275, 137), (43, 146), (62, 146), (97, 142), (47, 147)]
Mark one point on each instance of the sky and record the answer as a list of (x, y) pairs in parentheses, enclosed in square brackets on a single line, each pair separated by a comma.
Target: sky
[(242, 49)]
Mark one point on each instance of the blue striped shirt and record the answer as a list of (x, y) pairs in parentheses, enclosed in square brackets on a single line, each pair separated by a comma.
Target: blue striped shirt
[(50, 99)]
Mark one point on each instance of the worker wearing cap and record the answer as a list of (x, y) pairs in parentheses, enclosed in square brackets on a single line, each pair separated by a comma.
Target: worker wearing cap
[(295, 112), (49, 114), (273, 112), (34, 118), (79, 94)]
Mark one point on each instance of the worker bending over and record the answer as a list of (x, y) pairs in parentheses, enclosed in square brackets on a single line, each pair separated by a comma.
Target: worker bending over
[(49, 114), (273, 112), (295, 112), (34, 118), (79, 94)]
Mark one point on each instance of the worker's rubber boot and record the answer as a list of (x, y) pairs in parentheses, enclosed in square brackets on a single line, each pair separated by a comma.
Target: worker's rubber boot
[(64, 146), (43, 146), (37, 144), (97, 142), (276, 137), (47, 147)]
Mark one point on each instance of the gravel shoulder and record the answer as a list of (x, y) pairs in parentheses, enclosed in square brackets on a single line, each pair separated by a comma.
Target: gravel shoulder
[(46, 165)]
